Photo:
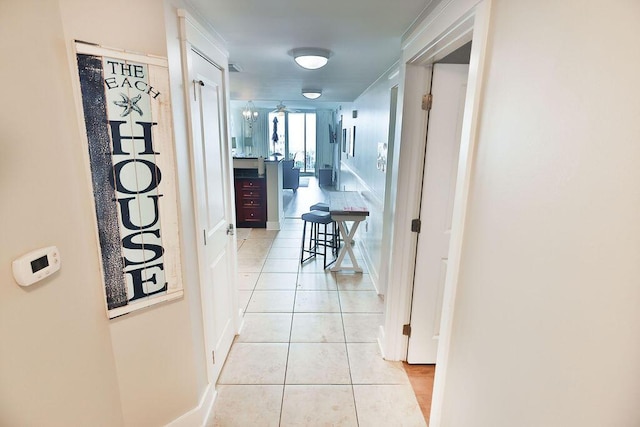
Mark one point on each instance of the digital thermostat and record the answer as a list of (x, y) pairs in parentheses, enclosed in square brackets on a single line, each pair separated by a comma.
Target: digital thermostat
[(36, 265)]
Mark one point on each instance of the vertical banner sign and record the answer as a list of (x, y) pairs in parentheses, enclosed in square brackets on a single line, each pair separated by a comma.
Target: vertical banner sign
[(127, 112)]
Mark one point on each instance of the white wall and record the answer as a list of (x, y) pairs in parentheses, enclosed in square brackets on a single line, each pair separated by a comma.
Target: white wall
[(57, 366), (360, 173), (545, 330), (62, 362)]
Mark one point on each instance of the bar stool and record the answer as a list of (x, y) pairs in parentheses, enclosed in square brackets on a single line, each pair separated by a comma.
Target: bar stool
[(325, 208), (319, 207), (317, 238)]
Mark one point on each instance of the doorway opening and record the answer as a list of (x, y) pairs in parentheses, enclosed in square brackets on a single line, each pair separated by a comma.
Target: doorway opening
[(441, 156), (437, 39), (448, 83)]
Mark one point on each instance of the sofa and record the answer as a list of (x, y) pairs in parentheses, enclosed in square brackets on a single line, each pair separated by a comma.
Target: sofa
[(290, 176)]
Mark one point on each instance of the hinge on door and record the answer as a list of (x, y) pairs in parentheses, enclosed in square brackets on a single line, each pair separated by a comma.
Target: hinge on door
[(415, 225), (427, 101), (406, 330), (213, 357), (204, 235)]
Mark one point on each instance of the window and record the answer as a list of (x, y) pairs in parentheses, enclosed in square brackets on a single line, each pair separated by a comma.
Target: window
[(294, 136)]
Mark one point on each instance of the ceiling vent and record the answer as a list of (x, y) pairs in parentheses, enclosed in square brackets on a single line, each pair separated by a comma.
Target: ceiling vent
[(235, 68)]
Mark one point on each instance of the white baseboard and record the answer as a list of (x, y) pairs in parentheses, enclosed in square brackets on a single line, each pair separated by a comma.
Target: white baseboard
[(199, 415), (371, 267), (381, 340), (273, 225), (240, 322)]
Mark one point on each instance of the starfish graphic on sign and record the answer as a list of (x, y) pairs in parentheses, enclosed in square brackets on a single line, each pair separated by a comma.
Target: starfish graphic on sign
[(129, 105)]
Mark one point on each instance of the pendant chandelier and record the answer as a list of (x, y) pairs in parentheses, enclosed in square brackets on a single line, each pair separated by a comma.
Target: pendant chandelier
[(250, 114)]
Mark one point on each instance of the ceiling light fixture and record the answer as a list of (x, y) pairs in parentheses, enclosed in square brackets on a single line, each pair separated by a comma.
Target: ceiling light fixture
[(311, 93), (250, 113), (311, 58)]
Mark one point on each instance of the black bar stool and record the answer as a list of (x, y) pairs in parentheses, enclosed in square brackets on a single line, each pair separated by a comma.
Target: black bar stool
[(325, 208), (317, 238), (320, 207)]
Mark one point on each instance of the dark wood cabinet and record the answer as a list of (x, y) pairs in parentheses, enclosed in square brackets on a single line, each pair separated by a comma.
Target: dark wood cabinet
[(251, 202)]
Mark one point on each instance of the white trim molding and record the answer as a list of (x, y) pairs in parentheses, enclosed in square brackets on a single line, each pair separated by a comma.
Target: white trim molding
[(196, 39), (197, 35), (463, 184), (199, 415), (407, 207), (449, 26)]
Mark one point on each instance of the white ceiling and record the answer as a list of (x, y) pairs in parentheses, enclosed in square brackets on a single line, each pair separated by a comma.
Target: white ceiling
[(363, 35)]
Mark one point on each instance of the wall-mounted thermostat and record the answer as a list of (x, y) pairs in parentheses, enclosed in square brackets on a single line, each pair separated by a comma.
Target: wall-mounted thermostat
[(36, 265)]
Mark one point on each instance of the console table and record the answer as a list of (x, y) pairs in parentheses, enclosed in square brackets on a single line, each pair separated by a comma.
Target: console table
[(346, 206)]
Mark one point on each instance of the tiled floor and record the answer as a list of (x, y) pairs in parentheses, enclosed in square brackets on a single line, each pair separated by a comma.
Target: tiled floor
[(295, 204), (307, 354)]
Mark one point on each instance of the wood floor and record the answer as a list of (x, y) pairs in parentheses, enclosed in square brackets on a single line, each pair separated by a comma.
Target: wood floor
[(421, 378)]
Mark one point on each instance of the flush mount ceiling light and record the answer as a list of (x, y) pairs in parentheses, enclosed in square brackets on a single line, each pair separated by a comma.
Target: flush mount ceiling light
[(311, 93), (311, 58)]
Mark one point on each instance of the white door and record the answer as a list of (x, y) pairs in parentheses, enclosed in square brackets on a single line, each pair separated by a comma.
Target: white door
[(448, 87), (213, 200)]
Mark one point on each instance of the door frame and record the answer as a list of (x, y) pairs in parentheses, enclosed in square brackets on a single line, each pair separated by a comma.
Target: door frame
[(438, 80), (450, 25), (193, 36)]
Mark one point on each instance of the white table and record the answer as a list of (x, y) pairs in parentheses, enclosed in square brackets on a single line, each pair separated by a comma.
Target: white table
[(347, 206)]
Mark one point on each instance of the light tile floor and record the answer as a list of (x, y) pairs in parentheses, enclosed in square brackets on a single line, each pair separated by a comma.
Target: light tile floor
[(307, 354)]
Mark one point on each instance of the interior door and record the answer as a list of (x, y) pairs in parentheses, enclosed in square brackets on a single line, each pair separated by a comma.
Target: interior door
[(213, 199), (448, 87)]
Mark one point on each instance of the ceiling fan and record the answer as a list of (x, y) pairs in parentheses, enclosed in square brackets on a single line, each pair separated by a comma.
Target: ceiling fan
[(281, 108)]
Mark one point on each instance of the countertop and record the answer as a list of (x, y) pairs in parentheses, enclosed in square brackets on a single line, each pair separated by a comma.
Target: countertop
[(246, 173), (266, 159)]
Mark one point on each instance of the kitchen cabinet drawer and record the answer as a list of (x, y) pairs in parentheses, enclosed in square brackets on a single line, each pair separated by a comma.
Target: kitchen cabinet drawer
[(253, 215), (251, 202), (252, 183), (253, 193)]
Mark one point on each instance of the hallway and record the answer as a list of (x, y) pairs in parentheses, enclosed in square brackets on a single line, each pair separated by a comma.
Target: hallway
[(307, 353), (309, 193)]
